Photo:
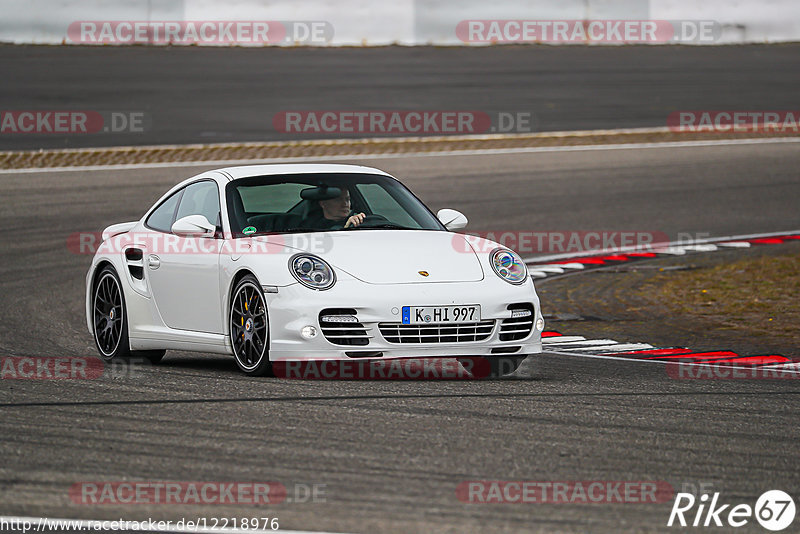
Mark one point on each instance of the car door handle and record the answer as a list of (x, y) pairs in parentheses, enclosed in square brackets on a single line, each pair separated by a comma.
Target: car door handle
[(153, 262)]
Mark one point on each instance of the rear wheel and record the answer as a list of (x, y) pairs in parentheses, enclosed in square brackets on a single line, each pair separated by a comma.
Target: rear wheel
[(249, 328), (109, 316)]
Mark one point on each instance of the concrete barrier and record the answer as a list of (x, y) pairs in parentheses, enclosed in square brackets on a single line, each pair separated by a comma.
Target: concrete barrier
[(406, 22)]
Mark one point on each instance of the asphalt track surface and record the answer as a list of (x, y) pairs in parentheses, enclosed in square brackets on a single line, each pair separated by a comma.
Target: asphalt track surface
[(391, 454), (217, 95)]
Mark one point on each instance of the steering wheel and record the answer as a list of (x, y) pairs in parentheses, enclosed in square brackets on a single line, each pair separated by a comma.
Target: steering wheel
[(371, 220)]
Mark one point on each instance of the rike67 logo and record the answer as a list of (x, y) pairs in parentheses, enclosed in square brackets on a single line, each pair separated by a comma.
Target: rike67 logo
[(774, 510)]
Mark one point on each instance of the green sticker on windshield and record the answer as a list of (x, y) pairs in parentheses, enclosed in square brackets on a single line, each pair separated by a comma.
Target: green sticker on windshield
[(249, 230)]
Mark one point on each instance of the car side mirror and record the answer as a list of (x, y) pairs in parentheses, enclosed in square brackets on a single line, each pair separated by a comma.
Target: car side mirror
[(193, 226), (452, 219)]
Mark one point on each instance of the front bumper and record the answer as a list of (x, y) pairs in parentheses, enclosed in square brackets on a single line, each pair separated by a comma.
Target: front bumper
[(294, 307)]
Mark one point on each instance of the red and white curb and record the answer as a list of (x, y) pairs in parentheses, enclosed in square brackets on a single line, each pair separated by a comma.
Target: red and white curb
[(559, 264), (556, 343)]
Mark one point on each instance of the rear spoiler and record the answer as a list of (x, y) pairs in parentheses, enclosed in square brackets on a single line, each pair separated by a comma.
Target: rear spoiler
[(116, 229)]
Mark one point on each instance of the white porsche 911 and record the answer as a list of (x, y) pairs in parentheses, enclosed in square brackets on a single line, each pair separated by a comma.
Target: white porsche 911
[(305, 262)]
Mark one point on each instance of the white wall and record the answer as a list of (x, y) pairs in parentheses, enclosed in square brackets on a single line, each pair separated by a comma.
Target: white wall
[(743, 21), (381, 22)]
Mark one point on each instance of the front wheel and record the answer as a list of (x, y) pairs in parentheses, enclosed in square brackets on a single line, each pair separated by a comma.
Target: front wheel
[(249, 325), (109, 317)]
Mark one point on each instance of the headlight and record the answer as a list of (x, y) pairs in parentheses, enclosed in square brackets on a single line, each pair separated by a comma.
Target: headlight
[(508, 266), (312, 271)]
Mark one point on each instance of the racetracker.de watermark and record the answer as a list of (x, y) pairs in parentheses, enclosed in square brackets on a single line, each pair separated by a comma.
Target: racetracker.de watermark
[(564, 492), (162, 243), (200, 32), (69, 368), (187, 492), (402, 122), (601, 31), (70, 122), (521, 241), (735, 121), (558, 241), (772, 368), (466, 368), (51, 368)]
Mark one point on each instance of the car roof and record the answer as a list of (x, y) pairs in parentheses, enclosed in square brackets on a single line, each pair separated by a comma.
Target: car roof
[(246, 171)]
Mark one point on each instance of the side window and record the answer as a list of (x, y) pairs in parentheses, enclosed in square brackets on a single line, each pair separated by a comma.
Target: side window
[(201, 198), (162, 218)]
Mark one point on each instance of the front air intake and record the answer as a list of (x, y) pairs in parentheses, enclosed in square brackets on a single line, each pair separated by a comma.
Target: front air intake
[(341, 326), (520, 324)]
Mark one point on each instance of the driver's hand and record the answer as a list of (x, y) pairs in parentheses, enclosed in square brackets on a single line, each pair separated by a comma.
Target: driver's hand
[(355, 220)]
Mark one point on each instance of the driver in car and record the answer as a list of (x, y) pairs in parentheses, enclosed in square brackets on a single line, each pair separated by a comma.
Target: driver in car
[(336, 212)]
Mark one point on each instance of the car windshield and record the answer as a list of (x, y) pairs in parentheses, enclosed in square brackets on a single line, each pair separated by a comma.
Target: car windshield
[(322, 202)]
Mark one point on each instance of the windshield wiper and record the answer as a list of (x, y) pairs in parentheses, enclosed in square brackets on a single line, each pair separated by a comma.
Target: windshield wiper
[(383, 226), (298, 230)]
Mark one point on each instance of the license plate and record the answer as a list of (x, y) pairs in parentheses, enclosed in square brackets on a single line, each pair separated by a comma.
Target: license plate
[(441, 314)]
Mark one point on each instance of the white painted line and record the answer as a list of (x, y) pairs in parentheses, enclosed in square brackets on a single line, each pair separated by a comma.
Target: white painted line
[(613, 348), (571, 265), (662, 362), (673, 251), (562, 339), (45, 524), (735, 244), (627, 347), (587, 342), (595, 344), (556, 269), (701, 248), (538, 274), (395, 155), (790, 365)]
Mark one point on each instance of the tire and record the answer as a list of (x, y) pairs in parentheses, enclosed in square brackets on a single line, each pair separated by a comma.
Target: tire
[(109, 317), (249, 328)]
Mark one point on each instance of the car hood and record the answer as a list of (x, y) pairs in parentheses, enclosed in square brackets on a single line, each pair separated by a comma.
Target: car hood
[(396, 256)]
